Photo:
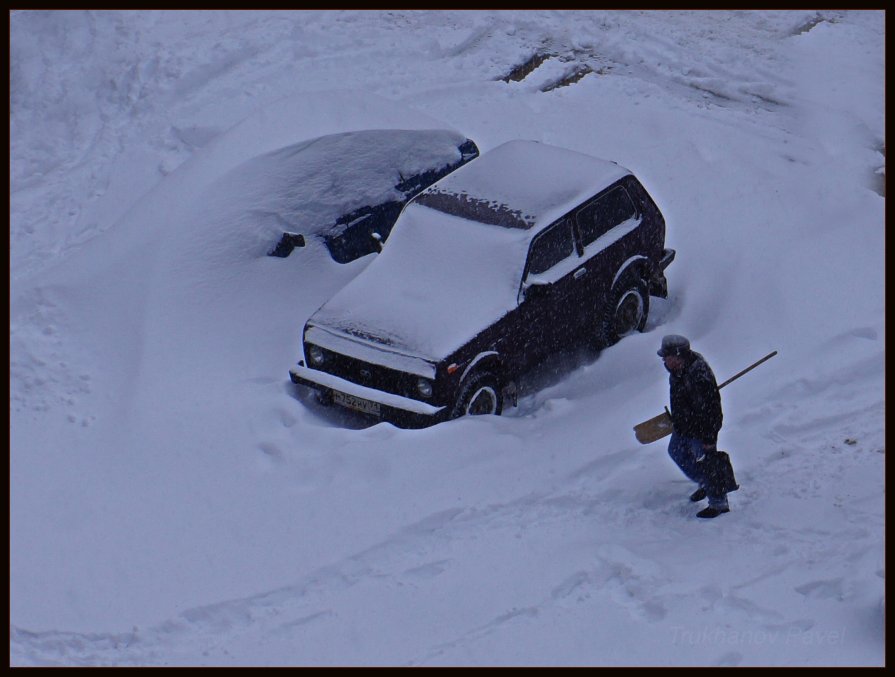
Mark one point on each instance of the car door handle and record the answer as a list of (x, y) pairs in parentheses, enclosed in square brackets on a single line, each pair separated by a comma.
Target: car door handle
[(581, 272)]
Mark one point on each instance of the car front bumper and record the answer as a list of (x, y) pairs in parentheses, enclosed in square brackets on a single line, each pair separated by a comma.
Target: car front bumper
[(390, 406)]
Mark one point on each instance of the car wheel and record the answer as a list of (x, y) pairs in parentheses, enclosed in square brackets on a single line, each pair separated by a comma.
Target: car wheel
[(480, 394), (626, 311)]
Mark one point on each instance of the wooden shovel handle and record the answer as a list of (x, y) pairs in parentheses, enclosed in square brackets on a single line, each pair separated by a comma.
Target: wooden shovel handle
[(749, 368)]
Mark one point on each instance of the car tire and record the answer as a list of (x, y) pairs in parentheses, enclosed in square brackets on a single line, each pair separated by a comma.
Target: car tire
[(626, 311), (479, 394)]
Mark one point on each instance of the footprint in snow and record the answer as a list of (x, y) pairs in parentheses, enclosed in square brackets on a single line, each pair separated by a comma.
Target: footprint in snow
[(828, 589), (569, 586), (426, 571)]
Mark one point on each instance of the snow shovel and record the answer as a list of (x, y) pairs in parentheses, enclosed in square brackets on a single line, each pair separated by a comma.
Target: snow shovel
[(659, 426)]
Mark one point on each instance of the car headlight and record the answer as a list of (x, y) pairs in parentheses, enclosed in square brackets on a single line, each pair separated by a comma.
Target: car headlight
[(424, 387), (315, 355)]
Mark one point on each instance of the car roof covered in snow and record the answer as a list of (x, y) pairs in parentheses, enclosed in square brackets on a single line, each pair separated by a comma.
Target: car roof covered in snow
[(521, 184)]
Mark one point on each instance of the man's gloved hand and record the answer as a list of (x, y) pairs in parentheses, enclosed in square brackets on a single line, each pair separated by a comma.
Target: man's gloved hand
[(708, 448)]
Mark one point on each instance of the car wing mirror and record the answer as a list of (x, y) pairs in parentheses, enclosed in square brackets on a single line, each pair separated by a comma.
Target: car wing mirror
[(535, 287), (287, 243)]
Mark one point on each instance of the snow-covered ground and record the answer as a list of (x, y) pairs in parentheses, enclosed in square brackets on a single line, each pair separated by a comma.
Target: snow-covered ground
[(174, 501)]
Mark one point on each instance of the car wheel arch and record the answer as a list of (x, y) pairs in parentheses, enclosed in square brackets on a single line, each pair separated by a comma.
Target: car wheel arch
[(488, 360), (637, 264)]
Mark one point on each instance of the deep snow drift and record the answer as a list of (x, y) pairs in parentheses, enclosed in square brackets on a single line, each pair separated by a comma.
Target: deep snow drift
[(175, 501)]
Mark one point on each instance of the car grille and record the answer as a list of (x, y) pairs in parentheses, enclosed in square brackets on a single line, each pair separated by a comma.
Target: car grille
[(370, 375)]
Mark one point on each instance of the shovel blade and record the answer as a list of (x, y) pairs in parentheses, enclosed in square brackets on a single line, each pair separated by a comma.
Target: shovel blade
[(653, 429)]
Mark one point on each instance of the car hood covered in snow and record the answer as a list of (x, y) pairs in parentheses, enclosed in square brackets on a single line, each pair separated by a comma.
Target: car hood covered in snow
[(415, 299)]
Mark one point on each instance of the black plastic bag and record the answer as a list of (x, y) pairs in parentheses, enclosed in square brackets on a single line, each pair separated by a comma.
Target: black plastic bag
[(718, 473)]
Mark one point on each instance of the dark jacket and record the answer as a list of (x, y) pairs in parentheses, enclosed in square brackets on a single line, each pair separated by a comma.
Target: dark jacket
[(695, 400)]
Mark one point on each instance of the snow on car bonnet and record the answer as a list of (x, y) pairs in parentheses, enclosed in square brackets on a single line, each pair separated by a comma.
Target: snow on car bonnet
[(521, 184), (439, 281)]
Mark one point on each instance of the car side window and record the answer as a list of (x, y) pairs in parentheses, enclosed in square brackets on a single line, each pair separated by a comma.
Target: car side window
[(608, 210), (551, 247)]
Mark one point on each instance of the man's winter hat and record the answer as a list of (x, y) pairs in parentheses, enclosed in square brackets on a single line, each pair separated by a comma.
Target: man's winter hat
[(674, 345)]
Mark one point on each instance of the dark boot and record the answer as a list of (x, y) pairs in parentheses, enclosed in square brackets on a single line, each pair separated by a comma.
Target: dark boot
[(697, 495), (711, 512)]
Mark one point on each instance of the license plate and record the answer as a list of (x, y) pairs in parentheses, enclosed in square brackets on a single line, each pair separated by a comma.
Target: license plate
[(356, 403)]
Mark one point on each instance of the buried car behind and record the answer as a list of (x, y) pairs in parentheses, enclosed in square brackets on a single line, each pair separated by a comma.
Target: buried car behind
[(347, 189), (527, 250)]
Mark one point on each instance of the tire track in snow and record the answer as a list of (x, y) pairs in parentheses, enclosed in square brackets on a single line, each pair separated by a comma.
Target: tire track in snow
[(395, 559), (414, 555)]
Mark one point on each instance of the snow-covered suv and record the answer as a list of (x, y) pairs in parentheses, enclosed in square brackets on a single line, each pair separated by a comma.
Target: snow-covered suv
[(515, 255)]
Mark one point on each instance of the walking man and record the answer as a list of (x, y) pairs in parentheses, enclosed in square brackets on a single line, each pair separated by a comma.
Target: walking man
[(696, 416)]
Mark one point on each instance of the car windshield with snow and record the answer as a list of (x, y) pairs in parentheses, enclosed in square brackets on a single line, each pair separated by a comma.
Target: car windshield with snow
[(347, 189), (519, 254)]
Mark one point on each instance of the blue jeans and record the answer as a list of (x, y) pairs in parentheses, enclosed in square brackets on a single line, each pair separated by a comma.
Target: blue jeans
[(686, 452)]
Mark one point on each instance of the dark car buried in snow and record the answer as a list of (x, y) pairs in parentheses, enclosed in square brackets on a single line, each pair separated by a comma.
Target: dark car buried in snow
[(519, 254), (347, 189)]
